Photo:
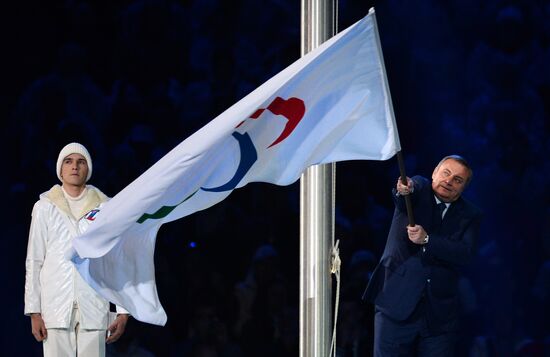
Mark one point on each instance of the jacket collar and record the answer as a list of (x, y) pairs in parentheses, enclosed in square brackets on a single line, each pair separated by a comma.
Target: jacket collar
[(92, 200)]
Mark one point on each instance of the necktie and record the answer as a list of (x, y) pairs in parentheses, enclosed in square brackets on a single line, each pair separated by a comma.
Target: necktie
[(441, 207)]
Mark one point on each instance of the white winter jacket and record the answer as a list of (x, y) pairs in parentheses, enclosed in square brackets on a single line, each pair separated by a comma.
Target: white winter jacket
[(52, 282)]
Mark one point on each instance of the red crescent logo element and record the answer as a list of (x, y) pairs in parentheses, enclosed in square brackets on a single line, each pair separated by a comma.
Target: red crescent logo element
[(293, 109)]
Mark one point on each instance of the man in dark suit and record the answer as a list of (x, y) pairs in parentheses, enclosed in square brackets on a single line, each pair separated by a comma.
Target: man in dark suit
[(415, 285)]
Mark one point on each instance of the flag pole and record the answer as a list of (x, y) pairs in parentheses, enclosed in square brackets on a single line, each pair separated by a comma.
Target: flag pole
[(403, 178), (400, 161), (317, 200)]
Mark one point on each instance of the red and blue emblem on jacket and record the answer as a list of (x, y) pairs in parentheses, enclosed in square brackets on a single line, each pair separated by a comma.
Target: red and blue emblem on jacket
[(90, 216)]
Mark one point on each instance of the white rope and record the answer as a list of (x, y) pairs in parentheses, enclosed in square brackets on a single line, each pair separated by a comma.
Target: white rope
[(335, 269)]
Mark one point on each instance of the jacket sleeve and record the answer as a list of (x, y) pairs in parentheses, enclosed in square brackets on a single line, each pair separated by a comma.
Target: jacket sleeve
[(419, 183), (36, 253)]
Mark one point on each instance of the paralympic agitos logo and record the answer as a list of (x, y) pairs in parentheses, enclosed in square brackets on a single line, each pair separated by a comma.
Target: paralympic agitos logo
[(292, 109)]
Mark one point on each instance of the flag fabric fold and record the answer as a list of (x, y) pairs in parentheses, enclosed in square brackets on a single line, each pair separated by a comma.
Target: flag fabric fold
[(332, 104)]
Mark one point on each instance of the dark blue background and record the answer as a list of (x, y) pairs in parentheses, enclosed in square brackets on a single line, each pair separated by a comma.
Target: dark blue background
[(132, 79)]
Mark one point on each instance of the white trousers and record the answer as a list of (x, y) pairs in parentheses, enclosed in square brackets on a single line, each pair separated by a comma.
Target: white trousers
[(74, 341)]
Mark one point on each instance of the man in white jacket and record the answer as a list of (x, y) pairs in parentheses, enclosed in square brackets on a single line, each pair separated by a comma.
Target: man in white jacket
[(66, 313)]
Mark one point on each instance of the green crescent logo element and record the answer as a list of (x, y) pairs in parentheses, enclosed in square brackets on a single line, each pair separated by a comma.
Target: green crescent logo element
[(163, 211)]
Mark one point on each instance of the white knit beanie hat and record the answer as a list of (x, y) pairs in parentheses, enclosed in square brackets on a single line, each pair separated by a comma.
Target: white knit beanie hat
[(74, 148)]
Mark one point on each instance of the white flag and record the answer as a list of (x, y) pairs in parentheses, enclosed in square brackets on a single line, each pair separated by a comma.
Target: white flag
[(332, 104)]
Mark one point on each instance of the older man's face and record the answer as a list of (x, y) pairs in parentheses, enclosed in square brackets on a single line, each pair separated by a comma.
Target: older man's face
[(449, 180)]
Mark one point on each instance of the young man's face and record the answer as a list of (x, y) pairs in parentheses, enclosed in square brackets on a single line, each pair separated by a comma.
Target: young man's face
[(449, 180), (74, 170)]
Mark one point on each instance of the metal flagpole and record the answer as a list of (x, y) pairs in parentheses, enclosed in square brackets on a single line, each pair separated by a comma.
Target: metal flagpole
[(317, 196)]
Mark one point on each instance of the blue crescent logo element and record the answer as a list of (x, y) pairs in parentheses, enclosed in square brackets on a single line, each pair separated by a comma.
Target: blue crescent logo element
[(248, 158)]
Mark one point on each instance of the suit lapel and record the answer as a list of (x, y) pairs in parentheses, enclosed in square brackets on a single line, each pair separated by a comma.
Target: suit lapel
[(454, 210), (452, 217)]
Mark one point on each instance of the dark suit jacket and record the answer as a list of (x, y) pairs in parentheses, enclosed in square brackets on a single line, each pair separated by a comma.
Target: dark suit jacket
[(406, 272)]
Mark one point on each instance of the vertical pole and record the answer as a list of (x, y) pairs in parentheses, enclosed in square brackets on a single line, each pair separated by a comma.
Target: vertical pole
[(317, 198), (403, 179)]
